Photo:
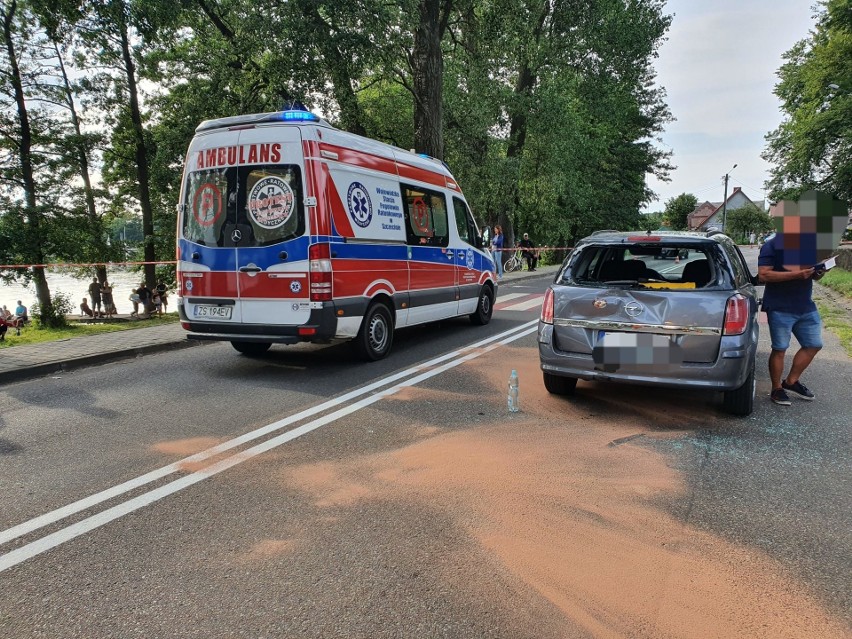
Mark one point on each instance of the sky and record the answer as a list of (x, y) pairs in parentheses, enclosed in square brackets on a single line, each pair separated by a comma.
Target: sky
[(718, 68)]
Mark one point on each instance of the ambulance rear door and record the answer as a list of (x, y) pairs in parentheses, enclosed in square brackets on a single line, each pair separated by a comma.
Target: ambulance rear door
[(245, 244), (270, 233)]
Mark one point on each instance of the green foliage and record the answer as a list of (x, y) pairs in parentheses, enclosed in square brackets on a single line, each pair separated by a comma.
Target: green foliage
[(651, 221), (747, 219), (812, 148), (678, 209), (54, 315), (548, 107)]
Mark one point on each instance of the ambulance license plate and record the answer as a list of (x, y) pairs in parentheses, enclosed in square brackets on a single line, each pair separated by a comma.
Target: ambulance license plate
[(219, 312)]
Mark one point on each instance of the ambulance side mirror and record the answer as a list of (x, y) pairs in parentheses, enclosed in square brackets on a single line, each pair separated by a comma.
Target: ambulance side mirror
[(479, 242)]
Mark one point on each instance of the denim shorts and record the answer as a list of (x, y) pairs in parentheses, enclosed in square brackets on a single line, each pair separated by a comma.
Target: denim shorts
[(807, 327)]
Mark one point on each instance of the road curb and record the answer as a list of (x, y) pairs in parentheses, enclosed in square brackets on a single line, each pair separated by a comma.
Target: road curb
[(62, 366)]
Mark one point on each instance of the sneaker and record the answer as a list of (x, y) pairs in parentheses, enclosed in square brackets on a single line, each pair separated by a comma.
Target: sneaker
[(780, 397), (798, 389)]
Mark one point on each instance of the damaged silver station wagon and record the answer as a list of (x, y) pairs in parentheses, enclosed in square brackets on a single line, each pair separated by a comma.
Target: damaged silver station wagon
[(617, 312)]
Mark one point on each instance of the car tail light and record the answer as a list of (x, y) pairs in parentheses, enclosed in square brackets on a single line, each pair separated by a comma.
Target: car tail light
[(736, 315), (185, 326), (547, 307), (320, 268)]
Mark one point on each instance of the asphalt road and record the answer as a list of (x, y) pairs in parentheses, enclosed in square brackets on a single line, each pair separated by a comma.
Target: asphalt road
[(400, 499)]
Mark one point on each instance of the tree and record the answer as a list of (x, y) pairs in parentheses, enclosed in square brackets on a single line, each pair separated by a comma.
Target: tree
[(747, 219), (678, 209), (651, 221), (812, 148), (24, 218)]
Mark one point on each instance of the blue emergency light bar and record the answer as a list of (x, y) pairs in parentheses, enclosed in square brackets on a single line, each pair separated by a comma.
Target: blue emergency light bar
[(294, 116), (299, 116)]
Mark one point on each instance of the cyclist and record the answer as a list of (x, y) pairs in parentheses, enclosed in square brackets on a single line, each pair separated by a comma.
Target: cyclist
[(528, 253)]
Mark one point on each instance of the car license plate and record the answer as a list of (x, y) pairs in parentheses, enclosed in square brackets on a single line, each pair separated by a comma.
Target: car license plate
[(622, 349), (219, 312)]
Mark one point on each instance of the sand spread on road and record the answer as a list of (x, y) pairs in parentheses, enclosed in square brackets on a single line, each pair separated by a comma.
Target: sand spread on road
[(568, 502)]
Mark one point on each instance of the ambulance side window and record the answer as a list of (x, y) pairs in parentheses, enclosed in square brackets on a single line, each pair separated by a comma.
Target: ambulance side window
[(464, 222), (426, 219)]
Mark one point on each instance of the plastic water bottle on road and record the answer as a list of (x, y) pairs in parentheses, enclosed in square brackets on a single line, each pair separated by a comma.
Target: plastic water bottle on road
[(514, 407)]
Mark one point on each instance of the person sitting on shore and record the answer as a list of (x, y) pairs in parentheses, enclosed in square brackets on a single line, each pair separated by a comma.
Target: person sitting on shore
[(21, 312), (85, 309)]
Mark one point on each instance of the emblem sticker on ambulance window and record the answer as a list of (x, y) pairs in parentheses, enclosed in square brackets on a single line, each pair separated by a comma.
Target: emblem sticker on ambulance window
[(359, 204), (207, 204), (270, 202)]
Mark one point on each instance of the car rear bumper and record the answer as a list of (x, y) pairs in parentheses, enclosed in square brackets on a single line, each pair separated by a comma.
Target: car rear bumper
[(728, 372)]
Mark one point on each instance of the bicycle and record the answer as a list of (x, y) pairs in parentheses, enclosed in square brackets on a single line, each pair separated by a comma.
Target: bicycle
[(514, 263)]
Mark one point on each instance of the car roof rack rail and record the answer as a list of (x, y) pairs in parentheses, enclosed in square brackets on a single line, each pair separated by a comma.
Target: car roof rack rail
[(605, 231)]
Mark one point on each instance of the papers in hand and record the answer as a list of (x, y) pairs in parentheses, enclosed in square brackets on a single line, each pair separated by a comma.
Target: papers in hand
[(829, 264)]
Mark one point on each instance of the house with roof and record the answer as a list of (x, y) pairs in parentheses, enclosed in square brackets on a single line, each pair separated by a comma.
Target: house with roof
[(709, 214)]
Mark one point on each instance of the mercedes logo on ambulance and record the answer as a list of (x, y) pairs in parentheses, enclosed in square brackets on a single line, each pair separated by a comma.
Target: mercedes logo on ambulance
[(236, 236)]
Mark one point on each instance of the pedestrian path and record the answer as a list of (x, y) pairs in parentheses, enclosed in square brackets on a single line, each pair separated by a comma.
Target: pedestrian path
[(34, 360)]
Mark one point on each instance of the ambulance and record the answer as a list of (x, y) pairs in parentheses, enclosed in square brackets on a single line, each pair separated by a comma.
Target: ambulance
[(290, 230)]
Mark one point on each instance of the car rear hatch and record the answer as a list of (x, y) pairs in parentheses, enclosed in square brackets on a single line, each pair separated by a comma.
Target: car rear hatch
[(630, 330)]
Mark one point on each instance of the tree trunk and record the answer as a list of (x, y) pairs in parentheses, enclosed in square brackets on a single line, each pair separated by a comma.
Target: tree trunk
[(31, 213), (524, 86), (427, 65), (83, 164), (141, 152)]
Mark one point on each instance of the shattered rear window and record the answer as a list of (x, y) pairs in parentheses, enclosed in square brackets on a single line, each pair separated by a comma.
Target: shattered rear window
[(652, 266)]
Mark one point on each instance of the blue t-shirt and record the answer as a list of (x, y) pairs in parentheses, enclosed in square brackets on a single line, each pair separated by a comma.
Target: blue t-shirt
[(793, 296)]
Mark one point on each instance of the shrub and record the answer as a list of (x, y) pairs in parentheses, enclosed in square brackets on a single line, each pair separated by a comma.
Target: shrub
[(53, 317)]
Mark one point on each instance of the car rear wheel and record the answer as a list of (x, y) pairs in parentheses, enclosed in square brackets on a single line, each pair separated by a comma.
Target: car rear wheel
[(375, 337), (559, 385), (252, 349), (484, 307), (740, 402)]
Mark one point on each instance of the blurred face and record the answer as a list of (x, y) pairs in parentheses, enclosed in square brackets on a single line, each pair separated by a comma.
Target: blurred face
[(810, 228)]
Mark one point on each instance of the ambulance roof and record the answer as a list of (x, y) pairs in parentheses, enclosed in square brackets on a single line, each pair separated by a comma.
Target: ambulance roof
[(301, 118)]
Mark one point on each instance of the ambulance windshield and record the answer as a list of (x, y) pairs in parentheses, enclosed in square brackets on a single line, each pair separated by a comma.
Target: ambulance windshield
[(263, 203)]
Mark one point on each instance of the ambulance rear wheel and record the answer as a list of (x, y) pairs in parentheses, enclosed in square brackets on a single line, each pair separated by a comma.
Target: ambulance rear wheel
[(484, 307), (251, 348), (376, 334)]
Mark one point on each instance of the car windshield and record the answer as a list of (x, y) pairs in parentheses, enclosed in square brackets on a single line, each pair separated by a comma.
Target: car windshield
[(671, 266)]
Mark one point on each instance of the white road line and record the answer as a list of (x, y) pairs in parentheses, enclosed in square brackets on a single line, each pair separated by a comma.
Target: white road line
[(670, 269), (28, 551), (87, 502), (510, 296), (526, 305)]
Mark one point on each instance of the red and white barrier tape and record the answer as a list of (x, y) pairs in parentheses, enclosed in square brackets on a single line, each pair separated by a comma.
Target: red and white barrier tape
[(81, 264)]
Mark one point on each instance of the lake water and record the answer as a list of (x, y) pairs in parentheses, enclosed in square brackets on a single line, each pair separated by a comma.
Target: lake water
[(122, 282)]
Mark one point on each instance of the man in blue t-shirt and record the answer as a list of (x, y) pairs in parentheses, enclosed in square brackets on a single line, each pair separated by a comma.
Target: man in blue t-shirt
[(789, 311)]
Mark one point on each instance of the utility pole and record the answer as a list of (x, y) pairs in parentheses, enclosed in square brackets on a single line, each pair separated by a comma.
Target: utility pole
[(725, 200)]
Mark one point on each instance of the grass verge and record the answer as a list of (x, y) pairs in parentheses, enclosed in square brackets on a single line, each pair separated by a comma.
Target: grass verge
[(838, 322), (838, 279), (35, 335)]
